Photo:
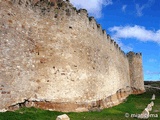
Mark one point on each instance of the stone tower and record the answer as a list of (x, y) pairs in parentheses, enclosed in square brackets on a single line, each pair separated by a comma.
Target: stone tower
[(136, 72)]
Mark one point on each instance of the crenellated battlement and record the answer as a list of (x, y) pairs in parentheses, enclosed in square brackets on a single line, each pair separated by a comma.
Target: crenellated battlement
[(104, 32), (112, 41), (108, 37), (133, 54), (82, 12)]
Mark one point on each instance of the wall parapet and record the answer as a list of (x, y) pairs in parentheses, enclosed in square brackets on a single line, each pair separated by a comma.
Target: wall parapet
[(131, 54)]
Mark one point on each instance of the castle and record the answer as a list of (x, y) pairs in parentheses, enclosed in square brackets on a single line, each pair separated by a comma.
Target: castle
[(58, 58)]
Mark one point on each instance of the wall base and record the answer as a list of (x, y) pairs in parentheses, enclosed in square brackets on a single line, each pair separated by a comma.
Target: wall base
[(98, 105)]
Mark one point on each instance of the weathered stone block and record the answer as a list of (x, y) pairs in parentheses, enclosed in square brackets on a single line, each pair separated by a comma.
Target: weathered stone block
[(62, 117)]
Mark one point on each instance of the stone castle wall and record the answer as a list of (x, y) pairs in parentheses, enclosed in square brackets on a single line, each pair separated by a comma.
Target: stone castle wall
[(58, 58)]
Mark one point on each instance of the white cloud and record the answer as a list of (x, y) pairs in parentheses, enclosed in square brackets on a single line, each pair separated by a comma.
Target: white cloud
[(94, 7), (139, 8), (152, 73), (152, 60), (124, 8), (137, 32)]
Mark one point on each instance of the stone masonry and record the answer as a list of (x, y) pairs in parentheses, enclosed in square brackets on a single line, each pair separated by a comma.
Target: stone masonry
[(55, 57)]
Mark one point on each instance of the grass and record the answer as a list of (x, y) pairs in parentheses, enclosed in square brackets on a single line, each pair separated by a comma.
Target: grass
[(134, 104), (153, 84)]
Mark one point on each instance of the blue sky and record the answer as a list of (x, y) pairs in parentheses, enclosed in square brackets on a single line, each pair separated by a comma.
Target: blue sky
[(133, 24)]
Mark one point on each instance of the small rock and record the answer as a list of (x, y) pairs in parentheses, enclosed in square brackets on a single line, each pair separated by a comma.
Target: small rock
[(149, 107), (156, 111), (62, 117), (21, 112), (152, 103), (153, 97)]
